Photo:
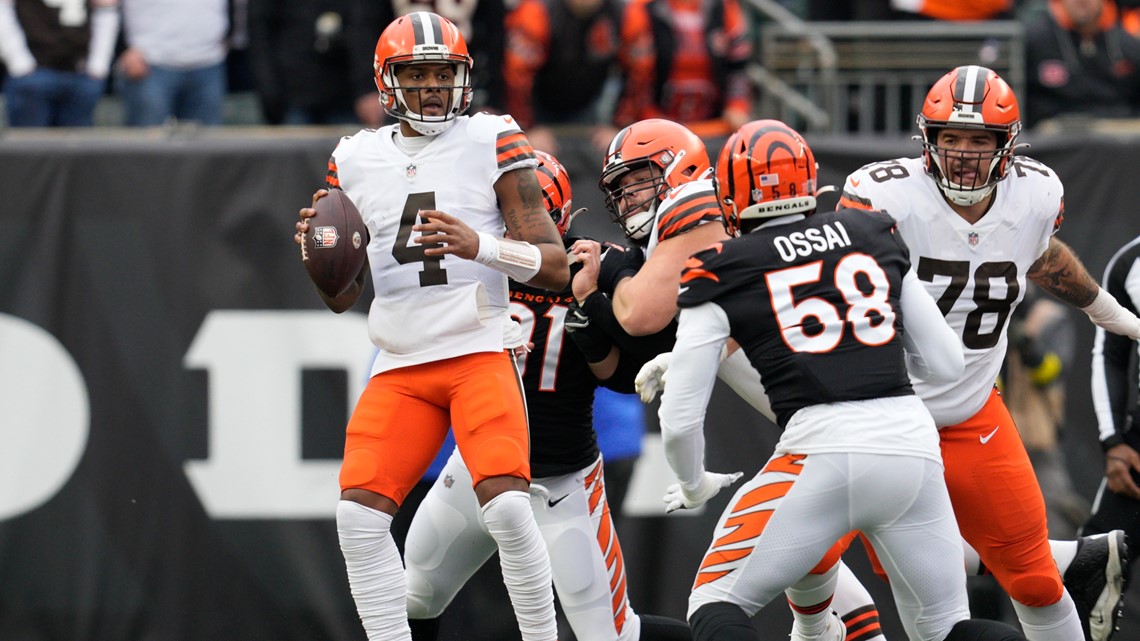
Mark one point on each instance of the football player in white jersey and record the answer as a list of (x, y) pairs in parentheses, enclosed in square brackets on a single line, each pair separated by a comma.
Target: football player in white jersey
[(979, 221), (810, 298), (657, 183), (436, 191)]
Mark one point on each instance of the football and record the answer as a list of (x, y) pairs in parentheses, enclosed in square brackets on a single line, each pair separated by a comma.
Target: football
[(336, 244)]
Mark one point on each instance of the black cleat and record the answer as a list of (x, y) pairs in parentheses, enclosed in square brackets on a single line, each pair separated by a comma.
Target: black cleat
[(1095, 581)]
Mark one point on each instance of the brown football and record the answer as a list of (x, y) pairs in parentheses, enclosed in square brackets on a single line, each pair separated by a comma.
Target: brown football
[(336, 244)]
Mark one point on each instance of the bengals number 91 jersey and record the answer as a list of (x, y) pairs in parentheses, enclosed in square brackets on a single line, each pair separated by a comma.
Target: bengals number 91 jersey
[(431, 308), (975, 272), (814, 304), (558, 383)]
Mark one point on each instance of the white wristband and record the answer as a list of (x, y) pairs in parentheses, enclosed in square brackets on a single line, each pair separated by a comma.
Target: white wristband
[(519, 260), (1106, 312)]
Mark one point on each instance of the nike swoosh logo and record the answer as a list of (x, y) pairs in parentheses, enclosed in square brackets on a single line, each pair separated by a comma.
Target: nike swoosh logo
[(553, 502), (854, 182), (682, 290), (986, 439)]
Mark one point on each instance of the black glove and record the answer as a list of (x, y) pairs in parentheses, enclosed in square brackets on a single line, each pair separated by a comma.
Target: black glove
[(594, 344), (618, 262)]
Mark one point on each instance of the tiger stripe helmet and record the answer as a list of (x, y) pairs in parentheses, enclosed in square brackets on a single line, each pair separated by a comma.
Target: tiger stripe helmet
[(556, 192), (677, 155), (416, 38), (969, 97), (765, 169)]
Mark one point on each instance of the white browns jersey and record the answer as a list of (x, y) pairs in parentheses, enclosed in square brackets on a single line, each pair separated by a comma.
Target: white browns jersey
[(431, 308), (975, 272), (685, 207)]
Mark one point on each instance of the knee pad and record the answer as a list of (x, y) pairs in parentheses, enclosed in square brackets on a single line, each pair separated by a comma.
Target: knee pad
[(507, 512), (499, 456), (572, 559), (722, 622), (422, 603), (356, 521), (1035, 590), (983, 630)]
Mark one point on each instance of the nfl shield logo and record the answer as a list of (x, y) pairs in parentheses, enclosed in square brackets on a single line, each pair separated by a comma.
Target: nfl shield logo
[(325, 237), (973, 239), (410, 171)]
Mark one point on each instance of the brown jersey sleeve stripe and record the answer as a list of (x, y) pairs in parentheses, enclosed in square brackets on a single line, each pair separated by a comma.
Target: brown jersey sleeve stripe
[(687, 214), (511, 147), (850, 201), (332, 179), (692, 221)]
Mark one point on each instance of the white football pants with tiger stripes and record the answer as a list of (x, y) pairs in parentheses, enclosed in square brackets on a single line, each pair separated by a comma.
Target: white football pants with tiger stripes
[(779, 525), (447, 543)]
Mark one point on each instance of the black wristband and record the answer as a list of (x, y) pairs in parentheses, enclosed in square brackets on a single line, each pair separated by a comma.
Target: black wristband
[(1111, 442), (593, 343)]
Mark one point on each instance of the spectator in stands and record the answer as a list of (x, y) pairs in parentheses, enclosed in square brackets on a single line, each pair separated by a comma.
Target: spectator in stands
[(685, 61), (560, 66), (58, 56), (309, 66), (1081, 61), (955, 10), (174, 63)]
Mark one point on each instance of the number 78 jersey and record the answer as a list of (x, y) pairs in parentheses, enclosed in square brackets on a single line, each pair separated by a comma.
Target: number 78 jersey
[(976, 272)]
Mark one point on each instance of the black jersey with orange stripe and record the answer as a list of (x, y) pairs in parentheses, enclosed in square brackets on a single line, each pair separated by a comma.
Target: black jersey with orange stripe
[(558, 383), (815, 305)]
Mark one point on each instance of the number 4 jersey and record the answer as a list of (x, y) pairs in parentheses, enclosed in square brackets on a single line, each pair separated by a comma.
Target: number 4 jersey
[(976, 272), (431, 308)]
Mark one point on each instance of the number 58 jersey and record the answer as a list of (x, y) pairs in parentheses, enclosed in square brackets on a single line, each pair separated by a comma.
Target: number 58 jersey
[(430, 308), (976, 272)]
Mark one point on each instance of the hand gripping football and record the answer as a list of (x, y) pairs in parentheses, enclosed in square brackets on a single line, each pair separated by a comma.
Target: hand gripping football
[(336, 244)]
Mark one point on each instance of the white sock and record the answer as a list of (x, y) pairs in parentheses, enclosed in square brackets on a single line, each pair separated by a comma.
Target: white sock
[(1063, 553), (525, 562), (811, 593), (1057, 622), (375, 571)]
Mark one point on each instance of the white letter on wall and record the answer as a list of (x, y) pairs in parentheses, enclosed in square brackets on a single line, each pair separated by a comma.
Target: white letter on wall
[(254, 361), (46, 416)]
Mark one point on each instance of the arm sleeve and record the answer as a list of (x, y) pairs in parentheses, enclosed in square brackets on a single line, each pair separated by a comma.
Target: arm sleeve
[(737, 372), (1114, 360), (701, 335), (933, 350), (622, 379), (13, 45), (635, 350), (104, 33)]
